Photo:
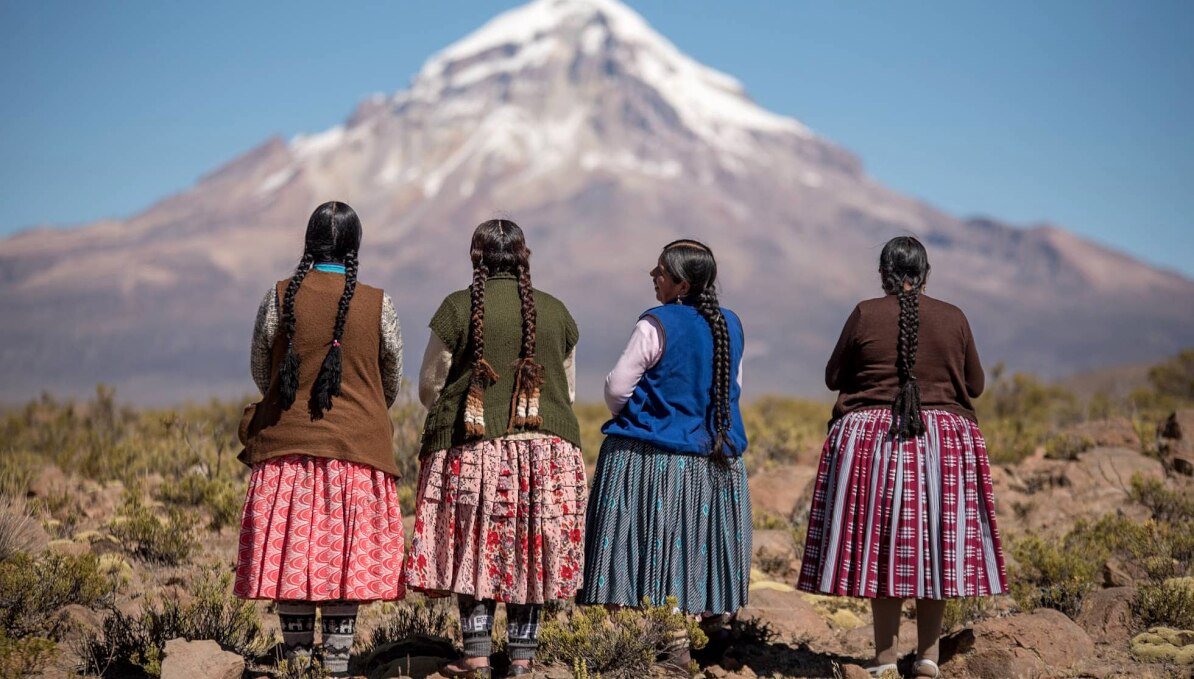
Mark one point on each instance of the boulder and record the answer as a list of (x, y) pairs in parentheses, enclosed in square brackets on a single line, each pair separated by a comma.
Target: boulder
[(851, 671), (788, 613), (1106, 615), (1027, 646), (189, 659), (780, 490), (1048, 496), (1115, 432), (1175, 441)]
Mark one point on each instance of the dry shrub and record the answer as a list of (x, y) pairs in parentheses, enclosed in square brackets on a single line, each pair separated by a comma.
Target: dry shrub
[(625, 643), (33, 589), (24, 657), (411, 619), (168, 542), (132, 642), (18, 529)]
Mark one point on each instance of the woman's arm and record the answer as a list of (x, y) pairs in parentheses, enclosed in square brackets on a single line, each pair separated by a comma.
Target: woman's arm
[(391, 350), (642, 352), (570, 374), (839, 362), (264, 330), (437, 362)]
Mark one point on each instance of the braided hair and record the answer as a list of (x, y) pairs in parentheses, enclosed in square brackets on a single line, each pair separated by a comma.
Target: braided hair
[(499, 246), (904, 266), (333, 235), (693, 261)]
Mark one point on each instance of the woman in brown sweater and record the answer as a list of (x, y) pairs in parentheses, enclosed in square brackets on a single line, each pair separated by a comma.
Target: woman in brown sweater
[(321, 524), (902, 506)]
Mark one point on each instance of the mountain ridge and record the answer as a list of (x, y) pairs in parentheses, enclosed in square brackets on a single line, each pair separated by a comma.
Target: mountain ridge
[(595, 146)]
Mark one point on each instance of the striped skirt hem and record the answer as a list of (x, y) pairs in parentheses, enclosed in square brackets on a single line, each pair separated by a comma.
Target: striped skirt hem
[(664, 525), (907, 518)]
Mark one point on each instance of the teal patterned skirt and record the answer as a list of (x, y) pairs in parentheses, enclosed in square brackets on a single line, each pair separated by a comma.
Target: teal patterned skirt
[(661, 524)]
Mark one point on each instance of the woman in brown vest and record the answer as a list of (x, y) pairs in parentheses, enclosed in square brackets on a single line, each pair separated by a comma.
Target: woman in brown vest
[(903, 506), (321, 523), (501, 494)]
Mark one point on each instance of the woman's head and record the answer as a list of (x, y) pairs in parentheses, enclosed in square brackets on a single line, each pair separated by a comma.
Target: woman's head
[(903, 265), (333, 235), (686, 270), (500, 247), (333, 231), (904, 269)]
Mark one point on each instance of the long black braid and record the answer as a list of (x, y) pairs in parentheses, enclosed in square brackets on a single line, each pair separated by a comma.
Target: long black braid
[(904, 264), (693, 261), (327, 383), (288, 373)]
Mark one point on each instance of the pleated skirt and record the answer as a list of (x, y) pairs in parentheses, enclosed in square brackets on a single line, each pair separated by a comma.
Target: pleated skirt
[(318, 529), (662, 525), (500, 519), (907, 518)]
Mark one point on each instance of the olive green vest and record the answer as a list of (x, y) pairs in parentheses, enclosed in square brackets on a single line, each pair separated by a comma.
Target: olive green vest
[(555, 337)]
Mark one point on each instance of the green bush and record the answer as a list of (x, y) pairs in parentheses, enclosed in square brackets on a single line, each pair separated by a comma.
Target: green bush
[(1019, 412), (1168, 603), (143, 534), (625, 643), (411, 619), (1067, 446), (131, 642), (222, 498), (25, 657), (34, 588), (1051, 575), (962, 612)]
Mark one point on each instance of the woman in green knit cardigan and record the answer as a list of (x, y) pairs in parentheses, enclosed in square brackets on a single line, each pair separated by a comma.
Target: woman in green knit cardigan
[(499, 515)]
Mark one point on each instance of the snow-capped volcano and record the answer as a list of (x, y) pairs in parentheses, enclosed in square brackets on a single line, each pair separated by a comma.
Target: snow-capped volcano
[(605, 141)]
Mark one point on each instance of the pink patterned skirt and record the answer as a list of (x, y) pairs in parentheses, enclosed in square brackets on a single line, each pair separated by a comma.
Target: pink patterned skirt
[(500, 519), (317, 529), (909, 519)]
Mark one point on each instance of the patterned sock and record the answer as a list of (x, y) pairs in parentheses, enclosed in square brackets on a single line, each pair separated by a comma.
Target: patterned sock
[(298, 628), (476, 625), (522, 630), (339, 627)]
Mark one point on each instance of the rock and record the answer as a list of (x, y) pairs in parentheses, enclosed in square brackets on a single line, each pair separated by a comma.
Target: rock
[(855, 672), (860, 641), (779, 490), (1115, 432), (788, 613), (1106, 615), (417, 666), (190, 659), (1115, 575), (1048, 496), (773, 550), (1027, 645)]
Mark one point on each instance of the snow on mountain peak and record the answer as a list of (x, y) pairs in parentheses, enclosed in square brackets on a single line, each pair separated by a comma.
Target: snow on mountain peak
[(711, 103)]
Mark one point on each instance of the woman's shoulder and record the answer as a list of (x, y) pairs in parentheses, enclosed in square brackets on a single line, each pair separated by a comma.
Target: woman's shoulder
[(941, 308), (546, 300)]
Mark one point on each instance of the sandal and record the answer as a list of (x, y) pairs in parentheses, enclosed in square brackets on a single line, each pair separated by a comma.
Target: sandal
[(926, 668), (467, 673), (880, 670)]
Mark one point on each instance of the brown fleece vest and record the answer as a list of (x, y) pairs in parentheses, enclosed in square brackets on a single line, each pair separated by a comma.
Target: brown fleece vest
[(358, 427)]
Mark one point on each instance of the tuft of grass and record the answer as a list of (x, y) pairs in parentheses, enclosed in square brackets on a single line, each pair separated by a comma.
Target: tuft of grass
[(134, 642), (18, 528), (624, 643), (168, 542)]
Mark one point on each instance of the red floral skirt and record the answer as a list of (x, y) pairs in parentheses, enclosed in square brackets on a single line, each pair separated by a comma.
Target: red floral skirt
[(317, 529), (500, 519)]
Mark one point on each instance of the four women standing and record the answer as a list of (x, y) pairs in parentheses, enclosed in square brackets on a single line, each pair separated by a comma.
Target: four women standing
[(902, 505)]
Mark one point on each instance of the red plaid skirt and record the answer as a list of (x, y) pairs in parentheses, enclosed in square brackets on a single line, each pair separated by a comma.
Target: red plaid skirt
[(908, 518)]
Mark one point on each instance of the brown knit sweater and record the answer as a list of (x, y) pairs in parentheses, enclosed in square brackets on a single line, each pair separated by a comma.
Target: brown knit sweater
[(358, 426), (863, 366)]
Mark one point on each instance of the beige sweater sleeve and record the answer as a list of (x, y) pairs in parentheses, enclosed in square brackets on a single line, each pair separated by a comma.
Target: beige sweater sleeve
[(437, 362)]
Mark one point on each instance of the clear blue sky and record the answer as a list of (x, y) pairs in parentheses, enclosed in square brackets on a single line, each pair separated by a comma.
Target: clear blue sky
[(1076, 112)]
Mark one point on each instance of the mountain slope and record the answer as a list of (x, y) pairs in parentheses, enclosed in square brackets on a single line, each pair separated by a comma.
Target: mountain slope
[(604, 142)]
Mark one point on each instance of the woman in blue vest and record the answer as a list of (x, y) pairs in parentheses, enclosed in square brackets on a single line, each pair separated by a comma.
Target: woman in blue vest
[(669, 511)]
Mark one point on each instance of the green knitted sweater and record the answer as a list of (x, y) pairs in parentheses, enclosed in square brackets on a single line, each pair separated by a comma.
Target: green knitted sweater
[(555, 336)]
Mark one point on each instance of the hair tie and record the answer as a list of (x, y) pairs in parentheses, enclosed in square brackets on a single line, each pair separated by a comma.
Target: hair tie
[(335, 343)]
